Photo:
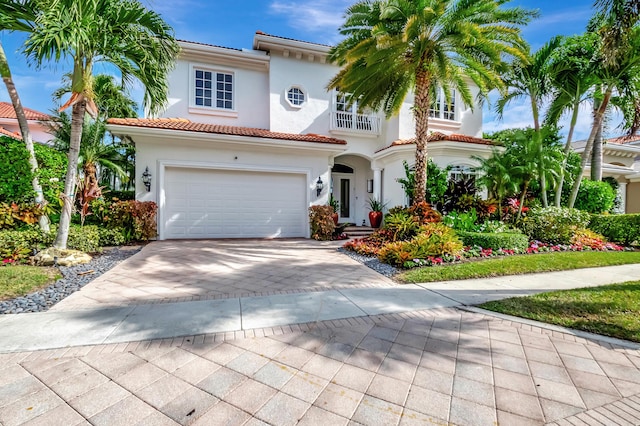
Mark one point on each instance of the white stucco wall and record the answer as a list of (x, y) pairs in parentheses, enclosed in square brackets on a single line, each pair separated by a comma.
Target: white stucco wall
[(250, 94)]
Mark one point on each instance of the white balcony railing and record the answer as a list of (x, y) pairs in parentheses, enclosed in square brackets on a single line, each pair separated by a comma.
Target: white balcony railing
[(355, 123)]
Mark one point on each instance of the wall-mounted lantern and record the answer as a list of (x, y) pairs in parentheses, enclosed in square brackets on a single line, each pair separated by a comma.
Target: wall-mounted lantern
[(146, 179), (319, 186)]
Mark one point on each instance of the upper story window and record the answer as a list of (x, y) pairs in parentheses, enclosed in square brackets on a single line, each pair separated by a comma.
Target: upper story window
[(441, 108), (213, 89), (346, 117), (296, 96)]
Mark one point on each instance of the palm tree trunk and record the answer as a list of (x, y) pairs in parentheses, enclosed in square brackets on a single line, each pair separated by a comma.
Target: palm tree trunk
[(77, 120), (586, 154), (5, 72), (567, 151), (596, 154), (536, 128), (421, 114)]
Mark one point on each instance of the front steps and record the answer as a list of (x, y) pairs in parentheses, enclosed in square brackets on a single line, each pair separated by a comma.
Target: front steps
[(358, 231)]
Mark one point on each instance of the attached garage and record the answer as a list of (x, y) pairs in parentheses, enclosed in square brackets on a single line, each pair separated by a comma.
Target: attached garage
[(222, 203)]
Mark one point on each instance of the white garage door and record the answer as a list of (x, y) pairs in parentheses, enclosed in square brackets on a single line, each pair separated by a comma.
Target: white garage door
[(204, 203)]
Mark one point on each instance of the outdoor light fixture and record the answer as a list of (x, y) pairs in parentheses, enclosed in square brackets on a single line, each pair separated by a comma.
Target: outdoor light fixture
[(146, 179), (370, 186), (319, 186)]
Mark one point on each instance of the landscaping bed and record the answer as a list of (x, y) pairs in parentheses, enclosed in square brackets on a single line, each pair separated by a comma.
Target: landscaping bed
[(73, 279)]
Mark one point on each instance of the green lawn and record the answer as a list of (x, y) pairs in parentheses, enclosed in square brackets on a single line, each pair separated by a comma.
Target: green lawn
[(19, 280), (521, 264), (611, 310)]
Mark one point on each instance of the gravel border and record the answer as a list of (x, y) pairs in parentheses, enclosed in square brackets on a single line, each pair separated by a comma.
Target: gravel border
[(372, 262), (70, 282)]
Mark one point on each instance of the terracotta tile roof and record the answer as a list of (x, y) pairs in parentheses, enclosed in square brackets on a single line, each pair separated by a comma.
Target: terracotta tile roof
[(189, 126), (621, 140), (7, 111), (437, 136), (5, 132), (291, 39)]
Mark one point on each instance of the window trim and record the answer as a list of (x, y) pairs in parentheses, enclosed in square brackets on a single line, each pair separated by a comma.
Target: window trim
[(302, 89), (211, 110), (443, 107)]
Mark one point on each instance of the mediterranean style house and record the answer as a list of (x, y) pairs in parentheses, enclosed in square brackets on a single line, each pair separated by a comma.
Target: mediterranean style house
[(251, 138), (36, 121)]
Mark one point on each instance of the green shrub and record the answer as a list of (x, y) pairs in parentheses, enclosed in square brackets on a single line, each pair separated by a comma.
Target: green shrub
[(432, 240), (136, 218), (554, 225), (619, 228), (84, 238), (15, 172), (20, 244), (52, 170), (402, 225), (503, 240), (112, 237), (595, 197), (461, 221), (321, 222)]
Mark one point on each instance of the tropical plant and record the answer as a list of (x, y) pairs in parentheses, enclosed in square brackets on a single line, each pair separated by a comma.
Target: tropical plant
[(17, 16), (572, 77), (393, 47), (529, 78), (335, 204), (618, 66), (123, 33), (375, 205)]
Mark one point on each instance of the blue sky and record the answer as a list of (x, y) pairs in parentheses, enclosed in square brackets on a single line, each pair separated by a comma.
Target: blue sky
[(233, 24)]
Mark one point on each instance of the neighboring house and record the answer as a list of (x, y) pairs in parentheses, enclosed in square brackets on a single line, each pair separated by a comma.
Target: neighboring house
[(36, 121), (621, 160), (257, 139)]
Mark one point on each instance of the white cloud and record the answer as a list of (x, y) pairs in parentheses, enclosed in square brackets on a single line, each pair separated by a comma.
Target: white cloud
[(320, 17)]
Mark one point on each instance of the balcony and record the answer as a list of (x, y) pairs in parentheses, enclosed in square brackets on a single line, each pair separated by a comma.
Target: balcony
[(352, 122)]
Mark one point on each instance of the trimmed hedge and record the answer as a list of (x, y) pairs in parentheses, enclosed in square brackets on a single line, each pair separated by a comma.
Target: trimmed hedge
[(619, 228), (553, 225), (495, 240)]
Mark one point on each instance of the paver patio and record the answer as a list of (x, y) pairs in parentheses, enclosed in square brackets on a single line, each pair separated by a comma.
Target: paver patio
[(443, 366), (447, 366)]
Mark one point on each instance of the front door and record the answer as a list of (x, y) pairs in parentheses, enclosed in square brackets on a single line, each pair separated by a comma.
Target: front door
[(342, 192)]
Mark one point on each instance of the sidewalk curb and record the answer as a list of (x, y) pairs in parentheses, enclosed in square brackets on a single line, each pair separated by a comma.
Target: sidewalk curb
[(578, 333)]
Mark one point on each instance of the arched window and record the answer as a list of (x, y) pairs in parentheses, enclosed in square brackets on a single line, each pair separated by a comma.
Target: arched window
[(461, 172)]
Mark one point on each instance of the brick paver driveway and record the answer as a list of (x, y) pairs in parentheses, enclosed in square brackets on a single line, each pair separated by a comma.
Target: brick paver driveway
[(173, 271)]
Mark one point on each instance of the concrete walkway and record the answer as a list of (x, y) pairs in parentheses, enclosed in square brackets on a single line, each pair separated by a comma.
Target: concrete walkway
[(378, 354)]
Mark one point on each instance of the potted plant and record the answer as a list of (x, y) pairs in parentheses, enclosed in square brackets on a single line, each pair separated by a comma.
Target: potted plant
[(335, 204), (375, 215)]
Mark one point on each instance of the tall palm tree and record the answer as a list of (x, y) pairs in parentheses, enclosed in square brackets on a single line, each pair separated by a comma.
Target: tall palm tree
[(572, 77), (18, 17), (121, 32), (616, 73), (394, 47), (529, 78)]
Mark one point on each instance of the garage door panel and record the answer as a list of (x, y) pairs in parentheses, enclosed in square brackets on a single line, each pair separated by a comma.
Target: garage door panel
[(202, 203)]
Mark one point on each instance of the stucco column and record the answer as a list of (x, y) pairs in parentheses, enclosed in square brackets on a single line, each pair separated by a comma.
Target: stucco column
[(377, 184), (622, 194)]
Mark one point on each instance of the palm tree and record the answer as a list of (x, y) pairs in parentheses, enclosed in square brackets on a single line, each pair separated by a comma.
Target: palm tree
[(17, 17), (394, 47), (495, 174), (112, 100), (529, 78), (616, 72), (572, 77), (120, 32)]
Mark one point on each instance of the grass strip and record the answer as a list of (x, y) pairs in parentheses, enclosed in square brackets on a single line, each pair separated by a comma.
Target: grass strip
[(611, 310), (520, 264), (19, 280)]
